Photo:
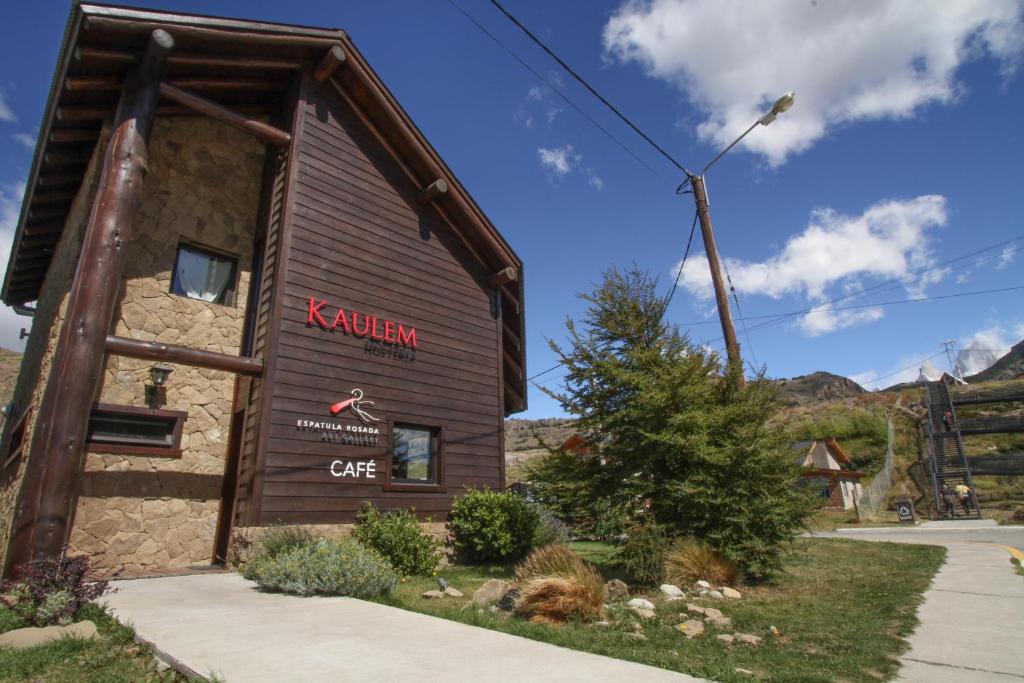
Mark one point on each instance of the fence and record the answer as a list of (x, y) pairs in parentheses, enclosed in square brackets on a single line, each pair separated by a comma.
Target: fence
[(872, 497)]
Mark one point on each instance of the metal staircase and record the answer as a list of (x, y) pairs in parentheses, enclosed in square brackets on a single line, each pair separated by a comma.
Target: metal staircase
[(948, 465)]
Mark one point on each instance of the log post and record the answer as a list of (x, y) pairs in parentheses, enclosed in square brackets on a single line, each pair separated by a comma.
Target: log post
[(433, 191), (334, 58), (46, 504)]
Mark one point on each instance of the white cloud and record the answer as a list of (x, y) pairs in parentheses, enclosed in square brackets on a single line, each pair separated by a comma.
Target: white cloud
[(983, 349), (822, 321), (536, 93), (25, 140), (1006, 256), (889, 240), (10, 207), (847, 61), (594, 180), (6, 113), (558, 160)]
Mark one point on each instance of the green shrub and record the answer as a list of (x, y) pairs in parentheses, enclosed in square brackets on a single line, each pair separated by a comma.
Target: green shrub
[(550, 529), (689, 560), (492, 527), (397, 536), (51, 591), (324, 567), (642, 556), (281, 539)]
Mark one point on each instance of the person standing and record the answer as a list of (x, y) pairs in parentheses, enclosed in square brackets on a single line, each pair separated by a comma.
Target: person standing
[(947, 419), (963, 492), (948, 500)]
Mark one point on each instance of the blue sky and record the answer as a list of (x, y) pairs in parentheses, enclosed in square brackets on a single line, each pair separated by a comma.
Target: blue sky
[(900, 157)]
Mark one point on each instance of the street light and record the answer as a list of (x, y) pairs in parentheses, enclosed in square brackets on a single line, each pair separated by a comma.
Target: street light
[(700, 196)]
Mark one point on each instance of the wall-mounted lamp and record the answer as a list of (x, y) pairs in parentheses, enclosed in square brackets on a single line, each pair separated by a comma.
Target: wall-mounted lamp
[(158, 375)]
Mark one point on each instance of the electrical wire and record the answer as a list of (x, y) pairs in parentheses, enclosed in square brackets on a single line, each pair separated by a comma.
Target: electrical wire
[(739, 312), (679, 273), (572, 72), (558, 92)]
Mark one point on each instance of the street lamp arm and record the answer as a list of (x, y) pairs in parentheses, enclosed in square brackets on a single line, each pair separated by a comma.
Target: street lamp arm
[(731, 145)]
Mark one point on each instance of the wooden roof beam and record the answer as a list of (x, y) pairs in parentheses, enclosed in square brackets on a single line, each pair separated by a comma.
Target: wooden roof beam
[(124, 25), (263, 131), (502, 277), (334, 58), (83, 54), (433, 191), (73, 84)]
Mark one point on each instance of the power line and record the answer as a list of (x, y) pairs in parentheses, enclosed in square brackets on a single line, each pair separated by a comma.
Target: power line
[(909, 367), (590, 88), (679, 273), (558, 92)]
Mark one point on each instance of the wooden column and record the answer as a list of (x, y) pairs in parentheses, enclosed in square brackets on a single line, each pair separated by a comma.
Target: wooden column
[(48, 496)]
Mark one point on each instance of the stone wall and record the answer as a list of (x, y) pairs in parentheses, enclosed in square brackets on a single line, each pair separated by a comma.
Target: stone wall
[(42, 342), (135, 512)]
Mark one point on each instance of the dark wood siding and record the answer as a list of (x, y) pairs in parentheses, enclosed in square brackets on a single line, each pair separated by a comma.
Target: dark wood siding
[(359, 239)]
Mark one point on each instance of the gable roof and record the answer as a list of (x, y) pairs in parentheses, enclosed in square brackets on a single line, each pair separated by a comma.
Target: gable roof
[(247, 66), (814, 453)]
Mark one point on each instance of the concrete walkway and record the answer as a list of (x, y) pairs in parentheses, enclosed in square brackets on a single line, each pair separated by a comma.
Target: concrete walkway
[(219, 624), (972, 618)]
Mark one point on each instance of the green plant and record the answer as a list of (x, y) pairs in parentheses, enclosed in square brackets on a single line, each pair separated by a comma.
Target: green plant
[(642, 556), (555, 560), (678, 430), (689, 560), (324, 567), (280, 539), (397, 536), (1018, 514), (550, 529), (488, 526), (52, 591)]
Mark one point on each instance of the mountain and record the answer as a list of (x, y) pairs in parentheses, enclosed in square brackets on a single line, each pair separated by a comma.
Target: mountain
[(818, 386), (1010, 366)]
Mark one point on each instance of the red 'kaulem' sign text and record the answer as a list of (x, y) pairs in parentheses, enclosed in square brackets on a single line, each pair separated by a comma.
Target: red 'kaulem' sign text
[(373, 327)]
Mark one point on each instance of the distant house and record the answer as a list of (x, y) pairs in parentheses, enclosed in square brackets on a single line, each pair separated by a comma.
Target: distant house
[(823, 460)]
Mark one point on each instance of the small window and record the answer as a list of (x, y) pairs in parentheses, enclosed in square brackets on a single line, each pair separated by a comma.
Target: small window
[(17, 447), (135, 431), (414, 454), (205, 275)]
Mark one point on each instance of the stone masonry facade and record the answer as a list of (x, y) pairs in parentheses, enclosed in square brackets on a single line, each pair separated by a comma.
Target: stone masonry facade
[(139, 513)]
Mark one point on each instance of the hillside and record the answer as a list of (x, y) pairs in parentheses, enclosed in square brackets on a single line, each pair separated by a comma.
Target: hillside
[(1010, 366), (818, 386), (10, 363)]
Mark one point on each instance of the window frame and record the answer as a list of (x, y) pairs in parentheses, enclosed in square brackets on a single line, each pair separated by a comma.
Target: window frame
[(15, 453), (231, 296), (439, 428), (174, 450)]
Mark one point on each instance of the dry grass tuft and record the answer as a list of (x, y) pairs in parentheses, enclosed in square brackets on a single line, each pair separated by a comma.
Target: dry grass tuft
[(558, 599), (558, 585), (689, 560)]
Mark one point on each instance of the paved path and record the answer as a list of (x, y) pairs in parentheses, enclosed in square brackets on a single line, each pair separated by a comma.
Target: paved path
[(972, 618), (219, 624)]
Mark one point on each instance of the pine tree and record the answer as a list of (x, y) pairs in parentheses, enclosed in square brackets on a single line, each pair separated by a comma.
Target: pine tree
[(676, 435)]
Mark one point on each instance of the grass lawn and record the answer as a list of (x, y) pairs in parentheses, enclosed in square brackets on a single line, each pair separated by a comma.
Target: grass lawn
[(842, 608), (112, 657)]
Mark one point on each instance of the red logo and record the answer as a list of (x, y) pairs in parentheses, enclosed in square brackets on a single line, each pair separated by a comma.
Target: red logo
[(357, 405)]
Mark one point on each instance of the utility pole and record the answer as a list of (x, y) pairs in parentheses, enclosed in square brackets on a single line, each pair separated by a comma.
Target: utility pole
[(954, 369), (732, 347)]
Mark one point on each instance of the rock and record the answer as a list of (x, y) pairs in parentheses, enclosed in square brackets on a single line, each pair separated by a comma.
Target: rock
[(703, 592), (726, 638), (672, 591), (644, 613), (452, 592), (703, 584), (774, 631), (490, 592), (691, 627), (638, 628), (731, 593), (82, 630), (433, 595), (22, 638), (744, 672), (712, 612), (639, 636), (675, 599), (602, 623), (694, 609), (640, 603), (616, 589), (748, 639), (716, 595), (720, 622), (510, 600)]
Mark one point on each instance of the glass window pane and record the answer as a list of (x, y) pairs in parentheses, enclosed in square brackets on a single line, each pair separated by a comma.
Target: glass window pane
[(412, 454), (131, 430), (202, 275)]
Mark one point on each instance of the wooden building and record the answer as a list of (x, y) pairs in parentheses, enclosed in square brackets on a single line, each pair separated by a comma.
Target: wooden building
[(258, 296), (822, 463)]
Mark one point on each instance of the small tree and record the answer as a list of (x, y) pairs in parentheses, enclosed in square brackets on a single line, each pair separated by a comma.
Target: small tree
[(677, 435)]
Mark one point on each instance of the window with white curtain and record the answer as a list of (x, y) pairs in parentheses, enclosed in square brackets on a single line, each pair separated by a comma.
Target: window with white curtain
[(204, 275)]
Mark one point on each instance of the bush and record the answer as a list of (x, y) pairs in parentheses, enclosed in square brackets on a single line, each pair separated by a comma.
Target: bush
[(492, 527), (642, 556), (397, 536), (689, 560), (51, 591), (281, 539), (1018, 514), (550, 529), (557, 599), (324, 567)]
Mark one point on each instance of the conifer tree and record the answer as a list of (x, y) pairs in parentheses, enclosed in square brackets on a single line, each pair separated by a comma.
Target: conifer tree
[(675, 433)]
